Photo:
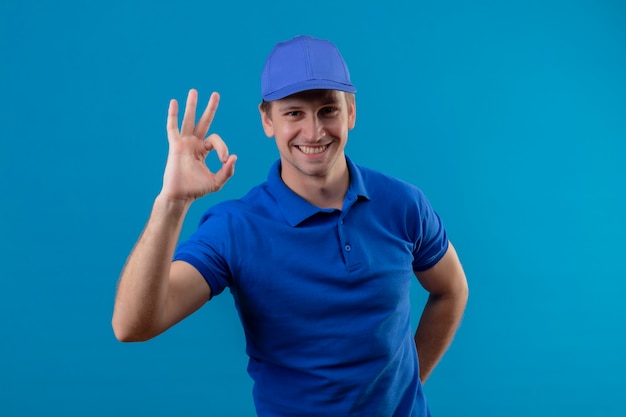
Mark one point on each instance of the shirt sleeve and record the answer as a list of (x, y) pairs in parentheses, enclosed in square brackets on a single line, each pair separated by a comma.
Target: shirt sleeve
[(431, 238), (207, 251)]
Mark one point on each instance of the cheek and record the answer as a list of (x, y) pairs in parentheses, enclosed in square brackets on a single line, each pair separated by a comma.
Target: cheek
[(338, 128), (286, 132)]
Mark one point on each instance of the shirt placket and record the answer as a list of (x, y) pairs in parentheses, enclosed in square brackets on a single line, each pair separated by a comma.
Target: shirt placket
[(344, 232)]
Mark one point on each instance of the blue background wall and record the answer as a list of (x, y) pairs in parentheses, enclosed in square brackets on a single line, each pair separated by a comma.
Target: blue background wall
[(511, 116)]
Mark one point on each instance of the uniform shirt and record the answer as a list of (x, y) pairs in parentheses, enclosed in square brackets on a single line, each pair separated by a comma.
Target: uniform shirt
[(323, 294)]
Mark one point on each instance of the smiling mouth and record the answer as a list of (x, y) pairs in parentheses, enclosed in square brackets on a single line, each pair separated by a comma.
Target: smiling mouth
[(312, 150)]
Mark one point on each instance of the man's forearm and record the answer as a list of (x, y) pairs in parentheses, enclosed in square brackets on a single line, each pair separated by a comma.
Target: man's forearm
[(142, 288), (440, 319)]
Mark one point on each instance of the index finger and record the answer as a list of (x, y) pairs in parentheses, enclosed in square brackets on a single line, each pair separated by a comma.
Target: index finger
[(205, 121), (214, 141)]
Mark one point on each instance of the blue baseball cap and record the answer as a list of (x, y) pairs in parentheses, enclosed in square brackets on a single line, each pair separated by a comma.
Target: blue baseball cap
[(304, 63)]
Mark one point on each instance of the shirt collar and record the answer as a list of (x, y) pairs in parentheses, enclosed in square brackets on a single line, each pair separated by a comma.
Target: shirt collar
[(296, 209)]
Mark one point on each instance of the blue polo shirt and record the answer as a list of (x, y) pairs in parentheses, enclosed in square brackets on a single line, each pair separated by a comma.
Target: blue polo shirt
[(323, 294)]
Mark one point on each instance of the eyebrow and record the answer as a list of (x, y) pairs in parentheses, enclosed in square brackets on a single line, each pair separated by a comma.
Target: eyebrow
[(324, 101), (288, 107)]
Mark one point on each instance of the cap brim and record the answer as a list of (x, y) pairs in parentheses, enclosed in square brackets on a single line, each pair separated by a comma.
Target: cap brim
[(305, 86)]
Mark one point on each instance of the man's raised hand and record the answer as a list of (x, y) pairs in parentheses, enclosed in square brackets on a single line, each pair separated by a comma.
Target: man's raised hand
[(187, 176)]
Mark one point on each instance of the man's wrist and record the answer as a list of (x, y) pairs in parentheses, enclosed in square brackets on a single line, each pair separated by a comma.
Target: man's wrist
[(171, 206)]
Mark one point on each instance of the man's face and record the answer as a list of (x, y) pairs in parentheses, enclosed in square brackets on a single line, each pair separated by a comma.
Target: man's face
[(311, 131)]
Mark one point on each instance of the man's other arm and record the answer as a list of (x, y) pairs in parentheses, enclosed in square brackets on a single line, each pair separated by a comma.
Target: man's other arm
[(448, 293)]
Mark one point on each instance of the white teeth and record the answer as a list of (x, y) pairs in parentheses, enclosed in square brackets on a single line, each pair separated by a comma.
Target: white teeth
[(311, 150)]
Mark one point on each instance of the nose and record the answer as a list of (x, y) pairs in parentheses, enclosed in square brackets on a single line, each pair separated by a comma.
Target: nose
[(312, 129)]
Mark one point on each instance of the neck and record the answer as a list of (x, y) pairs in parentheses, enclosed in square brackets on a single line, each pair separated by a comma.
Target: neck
[(324, 191)]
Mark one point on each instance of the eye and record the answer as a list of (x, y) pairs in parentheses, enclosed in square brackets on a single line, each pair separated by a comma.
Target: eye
[(293, 113), (328, 111)]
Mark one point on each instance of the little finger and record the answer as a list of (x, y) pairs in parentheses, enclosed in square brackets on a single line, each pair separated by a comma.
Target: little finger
[(172, 119)]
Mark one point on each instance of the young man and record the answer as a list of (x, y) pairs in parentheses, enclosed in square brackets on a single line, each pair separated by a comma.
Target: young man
[(319, 258)]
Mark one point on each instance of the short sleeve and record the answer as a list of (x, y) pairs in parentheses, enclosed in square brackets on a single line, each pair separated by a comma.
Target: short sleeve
[(207, 251), (431, 238)]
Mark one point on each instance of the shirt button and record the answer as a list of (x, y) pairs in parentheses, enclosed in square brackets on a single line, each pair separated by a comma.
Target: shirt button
[(348, 248)]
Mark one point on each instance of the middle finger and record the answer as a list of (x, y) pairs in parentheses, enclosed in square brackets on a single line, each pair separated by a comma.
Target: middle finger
[(205, 121)]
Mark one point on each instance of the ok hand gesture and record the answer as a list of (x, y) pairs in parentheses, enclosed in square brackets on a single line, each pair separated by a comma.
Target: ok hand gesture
[(187, 176)]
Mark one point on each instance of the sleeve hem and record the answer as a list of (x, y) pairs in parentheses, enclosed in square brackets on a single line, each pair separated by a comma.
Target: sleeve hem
[(432, 261), (216, 288)]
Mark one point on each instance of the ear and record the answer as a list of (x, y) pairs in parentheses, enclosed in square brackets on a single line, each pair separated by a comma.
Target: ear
[(266, 121), (351, 113)]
